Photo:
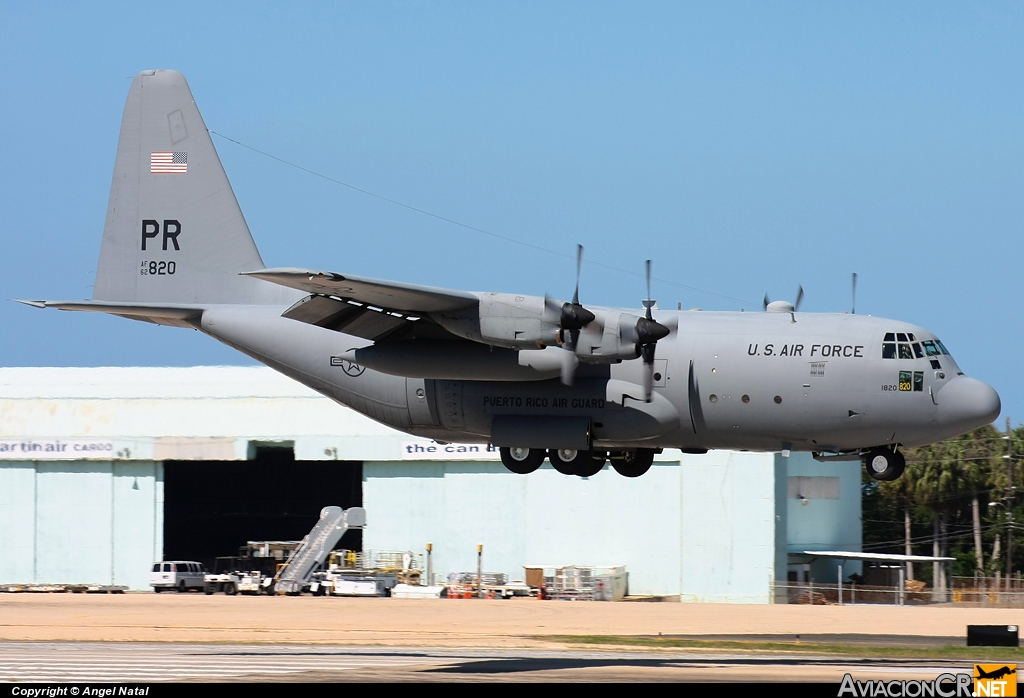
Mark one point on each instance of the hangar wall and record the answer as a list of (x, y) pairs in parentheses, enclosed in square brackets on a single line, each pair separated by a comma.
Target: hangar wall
[(93, 522), (705, 528), (82, 487)]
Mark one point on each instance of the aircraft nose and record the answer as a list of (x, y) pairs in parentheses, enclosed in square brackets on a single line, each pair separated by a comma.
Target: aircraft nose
[(967, 403)]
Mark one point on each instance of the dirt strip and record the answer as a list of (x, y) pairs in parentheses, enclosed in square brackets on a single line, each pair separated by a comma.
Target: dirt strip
[(192, 617)]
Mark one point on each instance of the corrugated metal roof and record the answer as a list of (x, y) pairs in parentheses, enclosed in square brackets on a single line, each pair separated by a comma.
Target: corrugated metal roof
[(203, 409), (149, 382)]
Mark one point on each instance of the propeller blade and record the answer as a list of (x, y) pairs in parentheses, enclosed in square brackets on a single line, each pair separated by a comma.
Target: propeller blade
[(799, 297), (569, 364), (853, 310), (579, 268), (766, 302), (569, 316), (647, 352), (552, 311), (648, 303)]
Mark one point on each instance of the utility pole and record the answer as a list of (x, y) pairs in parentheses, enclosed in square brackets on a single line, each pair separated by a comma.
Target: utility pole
[(1010, 502), (430, 564), (479, 571)]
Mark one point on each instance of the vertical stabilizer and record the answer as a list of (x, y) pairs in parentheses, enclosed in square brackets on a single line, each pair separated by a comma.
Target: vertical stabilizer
[(174, 232)]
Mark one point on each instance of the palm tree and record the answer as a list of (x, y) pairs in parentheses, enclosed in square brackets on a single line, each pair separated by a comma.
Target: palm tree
[(978, 454), (940, 482), (901, 492)]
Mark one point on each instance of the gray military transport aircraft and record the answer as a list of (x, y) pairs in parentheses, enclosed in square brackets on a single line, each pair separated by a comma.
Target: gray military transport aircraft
[(536, 377)]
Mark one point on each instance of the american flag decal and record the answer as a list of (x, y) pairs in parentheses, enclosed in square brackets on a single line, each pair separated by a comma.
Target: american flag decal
[(168, 163)]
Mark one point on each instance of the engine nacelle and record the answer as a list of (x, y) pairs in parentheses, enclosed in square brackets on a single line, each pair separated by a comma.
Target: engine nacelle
[(520, 322), (504, 320), (609, 339)]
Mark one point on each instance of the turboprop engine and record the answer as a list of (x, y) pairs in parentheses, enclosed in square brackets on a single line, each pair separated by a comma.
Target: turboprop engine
[(530, 323)]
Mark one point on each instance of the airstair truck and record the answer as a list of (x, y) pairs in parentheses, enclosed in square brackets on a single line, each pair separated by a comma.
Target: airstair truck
[(295, 577)]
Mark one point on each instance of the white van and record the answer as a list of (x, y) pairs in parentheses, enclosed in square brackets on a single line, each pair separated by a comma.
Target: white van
[(177, 574)]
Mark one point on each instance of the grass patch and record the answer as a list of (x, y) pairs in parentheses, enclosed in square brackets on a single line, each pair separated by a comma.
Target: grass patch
[(847, 650)]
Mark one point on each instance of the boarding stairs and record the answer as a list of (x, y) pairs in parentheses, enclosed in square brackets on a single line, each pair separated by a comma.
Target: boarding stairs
[(316, 546)]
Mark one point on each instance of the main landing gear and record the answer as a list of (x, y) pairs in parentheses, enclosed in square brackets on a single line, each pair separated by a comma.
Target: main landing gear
[(523, 461), (582, 463), (884, 463)]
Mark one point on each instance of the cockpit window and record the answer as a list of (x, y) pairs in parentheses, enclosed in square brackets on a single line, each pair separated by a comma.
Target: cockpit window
[(905, 345)]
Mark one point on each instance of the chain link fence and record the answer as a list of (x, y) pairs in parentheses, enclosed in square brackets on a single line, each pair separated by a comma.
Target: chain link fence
[(965, 591)]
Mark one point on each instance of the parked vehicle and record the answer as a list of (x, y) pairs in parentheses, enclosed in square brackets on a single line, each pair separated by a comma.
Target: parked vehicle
[(231, 576), (177, 574)]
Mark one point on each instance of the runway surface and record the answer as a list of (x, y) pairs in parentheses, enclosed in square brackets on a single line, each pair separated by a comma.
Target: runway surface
[(90, 662), (192, 637)]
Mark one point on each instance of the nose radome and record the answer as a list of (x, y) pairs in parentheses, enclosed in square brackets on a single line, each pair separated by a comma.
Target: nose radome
[(967, 403)]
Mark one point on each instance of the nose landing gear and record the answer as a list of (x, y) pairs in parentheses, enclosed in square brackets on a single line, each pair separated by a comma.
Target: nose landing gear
[(884, 463)]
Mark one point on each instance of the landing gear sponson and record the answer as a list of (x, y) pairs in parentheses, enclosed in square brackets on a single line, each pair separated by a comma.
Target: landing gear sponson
[(524, 461)]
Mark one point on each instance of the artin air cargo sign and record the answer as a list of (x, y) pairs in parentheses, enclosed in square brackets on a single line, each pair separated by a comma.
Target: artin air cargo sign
[(56, 449)]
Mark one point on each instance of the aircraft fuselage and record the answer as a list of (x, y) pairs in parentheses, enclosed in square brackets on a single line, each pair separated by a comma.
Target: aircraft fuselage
[(759, 381)]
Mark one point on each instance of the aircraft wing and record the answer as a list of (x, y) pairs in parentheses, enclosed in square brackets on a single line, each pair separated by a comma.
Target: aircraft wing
[(392, 295), (369, 308)]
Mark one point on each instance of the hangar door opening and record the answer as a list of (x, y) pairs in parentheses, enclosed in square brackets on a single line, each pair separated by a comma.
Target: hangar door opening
[(211, 508)]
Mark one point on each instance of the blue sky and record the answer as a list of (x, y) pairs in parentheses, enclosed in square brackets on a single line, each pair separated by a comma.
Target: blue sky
[(743, 147)]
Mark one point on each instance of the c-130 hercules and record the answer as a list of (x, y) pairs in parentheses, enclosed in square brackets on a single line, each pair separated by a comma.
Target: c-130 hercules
[(536, 377)]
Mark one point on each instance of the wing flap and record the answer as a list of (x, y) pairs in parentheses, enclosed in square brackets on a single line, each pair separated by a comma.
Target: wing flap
[(409, 298), (359, 319)]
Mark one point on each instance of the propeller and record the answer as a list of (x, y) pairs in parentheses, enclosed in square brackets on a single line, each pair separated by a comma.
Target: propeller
[(571, 318), (648, 332)]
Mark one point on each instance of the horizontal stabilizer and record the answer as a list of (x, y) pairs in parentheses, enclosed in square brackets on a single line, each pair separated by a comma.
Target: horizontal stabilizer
[(173, 314), (409, 298)]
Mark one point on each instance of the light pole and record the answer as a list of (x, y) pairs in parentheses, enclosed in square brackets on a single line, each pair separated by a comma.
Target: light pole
[(1009, 502)]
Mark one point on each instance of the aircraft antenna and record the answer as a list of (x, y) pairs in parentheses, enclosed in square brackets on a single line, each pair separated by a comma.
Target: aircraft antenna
[(853, 309)]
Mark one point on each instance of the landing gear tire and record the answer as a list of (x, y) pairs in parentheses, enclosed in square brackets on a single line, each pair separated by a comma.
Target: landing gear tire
[(594, 465), (566, 460), (572, 462), (634, 463), (521, 461), (885, 464)]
